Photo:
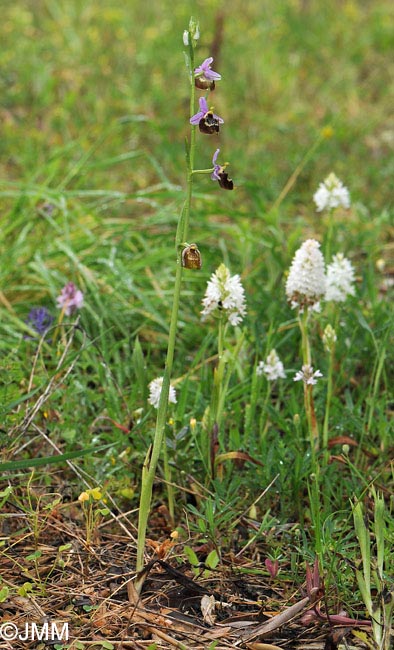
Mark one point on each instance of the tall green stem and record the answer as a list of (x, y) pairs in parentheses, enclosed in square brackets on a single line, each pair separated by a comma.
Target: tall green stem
[(170, 487), (308, 396), (306, 350), (329, 338), (329, 236), (314, 492), (328, 404), (264, 421), (153, 455), (214, 418)]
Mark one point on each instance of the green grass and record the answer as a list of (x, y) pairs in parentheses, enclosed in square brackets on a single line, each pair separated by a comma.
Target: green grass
[(94, 116)]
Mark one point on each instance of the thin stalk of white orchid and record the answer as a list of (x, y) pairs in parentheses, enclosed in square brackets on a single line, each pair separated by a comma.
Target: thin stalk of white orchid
[(228, 362), (222, 376), (308, 396), (314, 491), (329, 339), (314, 488), (250, 411), (153, 455), (216, 395), (328, 405), (263, 425), (329, 235)]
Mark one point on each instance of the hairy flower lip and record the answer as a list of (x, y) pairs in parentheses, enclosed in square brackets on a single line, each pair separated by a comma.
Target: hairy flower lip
[(206, 117)]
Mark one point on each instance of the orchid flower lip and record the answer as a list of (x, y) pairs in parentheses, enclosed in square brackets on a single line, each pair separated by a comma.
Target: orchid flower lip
[(207, 116)]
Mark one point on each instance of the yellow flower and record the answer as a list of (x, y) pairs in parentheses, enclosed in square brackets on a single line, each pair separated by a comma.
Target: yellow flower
[(95, 493), (327, 132)]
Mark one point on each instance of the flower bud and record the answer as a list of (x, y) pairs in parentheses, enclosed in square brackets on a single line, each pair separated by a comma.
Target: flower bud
[(193, 32), (329, 338), (194, 28)]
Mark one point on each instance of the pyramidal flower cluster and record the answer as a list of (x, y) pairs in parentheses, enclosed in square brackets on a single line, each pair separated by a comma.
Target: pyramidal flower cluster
[(331, 194), (340, 279), (272, 367), (70, 299), (306, 282), (224, 294)]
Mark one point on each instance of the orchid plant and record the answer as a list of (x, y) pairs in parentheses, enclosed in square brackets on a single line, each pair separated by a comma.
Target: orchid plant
[(201, 77)]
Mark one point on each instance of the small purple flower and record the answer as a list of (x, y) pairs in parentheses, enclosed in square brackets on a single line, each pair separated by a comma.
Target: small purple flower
[(70, 299), (219, 174), (40, 320), (208, 122), (205, 77), (216, 168), (205, 69)]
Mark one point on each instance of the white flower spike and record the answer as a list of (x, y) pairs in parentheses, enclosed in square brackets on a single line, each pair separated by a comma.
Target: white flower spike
[(340, 279), (306, 282), (331, 194), (225, 294), (272, 367)]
